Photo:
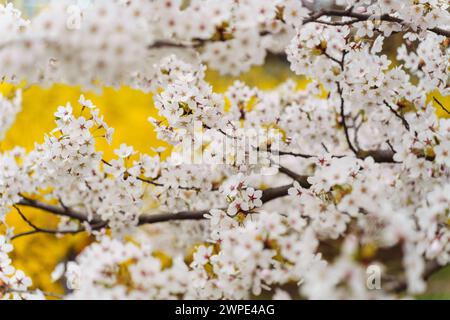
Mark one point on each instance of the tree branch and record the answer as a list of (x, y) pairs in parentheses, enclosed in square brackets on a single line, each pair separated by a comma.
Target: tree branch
[(268, 195), (54, 209), (402, 119), (379, 156), (343, 121), (302, 179), (314, 17), (37, 229), (359, 17), (163, 217)]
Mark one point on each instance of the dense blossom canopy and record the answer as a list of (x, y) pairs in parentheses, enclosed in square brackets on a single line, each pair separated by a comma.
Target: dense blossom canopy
[(354, 166)]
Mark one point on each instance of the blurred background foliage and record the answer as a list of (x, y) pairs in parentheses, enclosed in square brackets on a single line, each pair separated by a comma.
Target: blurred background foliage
[(127, 111)]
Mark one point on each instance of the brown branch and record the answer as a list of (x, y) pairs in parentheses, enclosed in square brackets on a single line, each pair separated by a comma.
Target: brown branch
[(359, 17), (268, 195), (288, 153), (193, 44), (341, 64), (343, 121), (333, 59), (398, 115), (302, 179), (163, 217), (23, 234), (47, 231), (196, 43), (25, 201), (379, 156), (37, 229)]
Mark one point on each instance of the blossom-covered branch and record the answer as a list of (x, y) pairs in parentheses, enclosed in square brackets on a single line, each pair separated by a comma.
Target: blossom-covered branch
[(374, 17)]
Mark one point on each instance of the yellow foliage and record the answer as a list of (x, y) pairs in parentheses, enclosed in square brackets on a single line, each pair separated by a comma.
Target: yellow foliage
[(166, 260)]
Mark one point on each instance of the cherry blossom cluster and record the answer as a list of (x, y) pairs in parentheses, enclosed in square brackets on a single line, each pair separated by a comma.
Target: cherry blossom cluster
[(68, 163), (9, 108), (185, 99), (241, 197), (352, 167), (14, 284)]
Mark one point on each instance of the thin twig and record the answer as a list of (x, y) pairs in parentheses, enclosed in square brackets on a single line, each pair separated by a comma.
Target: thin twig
[(332, 58), (28, 202), (359, 17), (343, 121), (398, 115), (441, 105), (37, 229), (157, 184)]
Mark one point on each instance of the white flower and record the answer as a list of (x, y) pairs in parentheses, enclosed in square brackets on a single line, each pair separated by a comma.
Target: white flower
[(86, 103), (442, 151), (296, 189), (6, 269), (150, 165), (124, 151), (116, 167), (20, 281), (253, 197), (237, 206), (233, 185), (58, 272), (109, 134), (5, 247), (64, 113), (73, 274), (273, 223), (159, 149), (294, 13), (8, 111), (202, 255)]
